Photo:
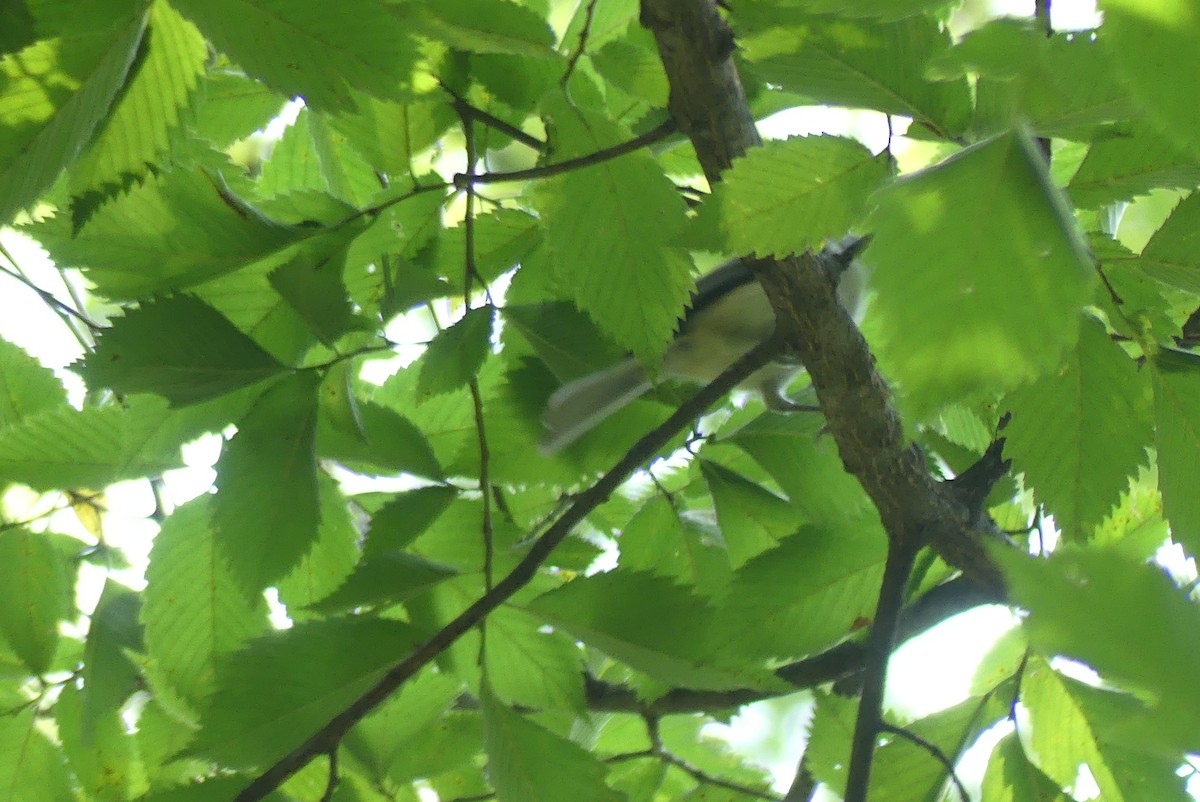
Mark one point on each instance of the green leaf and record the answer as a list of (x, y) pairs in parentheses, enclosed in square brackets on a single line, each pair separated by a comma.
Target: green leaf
[(109, 677), (230, 106), (36, 594), (807, 467), (312, 283), (565, 339), (390, 135), (279, 690), (171, 231), (403, 723), (1010, 777), (192, 609), (1176, 376), (451, 745), (502, 239), (1063, 737), (527, 763), (32, 769), (63, 448), (530, 667), (829, 740), (1125, 619), (455, 355), (789, 196), (179, 348), (265, 512), (53, 95), (858, 63), (383, 581), (138, 131), (902, 771), (660, 541), (610, 227), (1080, 432), (100, 753), (879, 9), (1054, 84), (832, 579), (25, 386), (979, 271), (1170, 256), (311, 157), (752, 519), (633, 65), (396, 524), (485, 26), (1153, 45), (299, 48), (1131, 164), (392, 442), (332, 558), (608, 611)]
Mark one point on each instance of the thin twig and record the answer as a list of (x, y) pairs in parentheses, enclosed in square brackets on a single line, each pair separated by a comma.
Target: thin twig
[(705, 778), (470, 272), (332, 783), (934, 750), (699, 775), (63, 310), (583, 37), (466, 109), (656, 134)]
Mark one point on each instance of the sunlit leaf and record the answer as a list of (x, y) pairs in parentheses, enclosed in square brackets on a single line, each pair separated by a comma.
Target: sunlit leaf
[(529, 763), (179, 348), (1079, 432), (787, 197), (276, 692), (266, 511), (194, 612), (301, 49), (36, 595), (979, 271), (55, 92)]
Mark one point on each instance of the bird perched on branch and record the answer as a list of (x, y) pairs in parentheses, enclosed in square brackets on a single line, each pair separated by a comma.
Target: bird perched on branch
[(729, 314)]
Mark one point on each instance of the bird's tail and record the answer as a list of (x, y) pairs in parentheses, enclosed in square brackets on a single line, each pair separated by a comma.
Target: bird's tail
[(579, 405)]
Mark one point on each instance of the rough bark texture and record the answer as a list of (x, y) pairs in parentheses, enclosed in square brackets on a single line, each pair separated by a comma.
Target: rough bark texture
[(710, 106)]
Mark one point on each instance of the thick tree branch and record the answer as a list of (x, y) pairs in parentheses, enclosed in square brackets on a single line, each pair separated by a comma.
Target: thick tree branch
[(709, 103)]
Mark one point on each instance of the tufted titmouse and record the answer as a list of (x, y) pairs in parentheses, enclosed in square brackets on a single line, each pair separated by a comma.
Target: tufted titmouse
[(729, 315)]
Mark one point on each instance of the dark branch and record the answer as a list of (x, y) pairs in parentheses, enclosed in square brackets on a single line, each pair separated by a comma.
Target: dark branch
[(468, 111), (588, 13), (656, 134), (879, 650), (525, 570), (934, 750)]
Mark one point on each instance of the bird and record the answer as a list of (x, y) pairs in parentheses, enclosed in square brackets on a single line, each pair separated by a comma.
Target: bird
[(728, 315)]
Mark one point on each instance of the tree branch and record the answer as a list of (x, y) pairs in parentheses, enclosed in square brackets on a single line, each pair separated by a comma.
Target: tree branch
[(656, 134), (934, 750), (879, 649), (329, 735), (709, 102)]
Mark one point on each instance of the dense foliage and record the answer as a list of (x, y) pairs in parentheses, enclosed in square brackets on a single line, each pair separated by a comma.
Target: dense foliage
[(456, 177)]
